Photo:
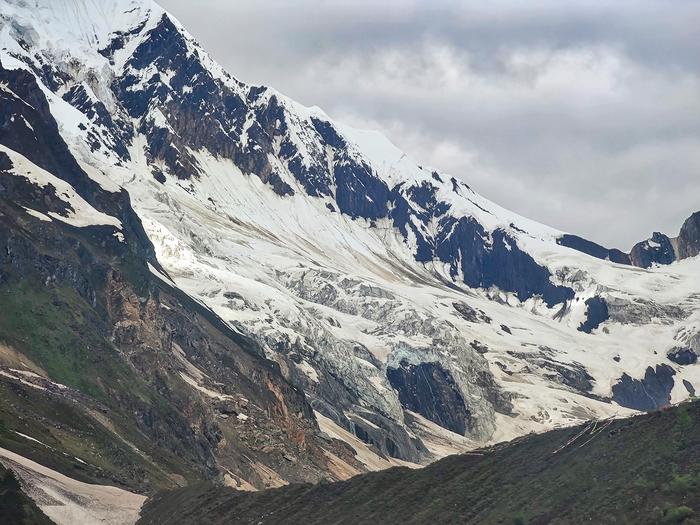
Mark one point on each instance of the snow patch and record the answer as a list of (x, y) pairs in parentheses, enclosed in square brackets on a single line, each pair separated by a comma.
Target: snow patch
[(83, 213), (67, 501)]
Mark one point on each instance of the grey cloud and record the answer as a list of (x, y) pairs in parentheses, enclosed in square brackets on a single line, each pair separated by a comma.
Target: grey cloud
[(583, 115)]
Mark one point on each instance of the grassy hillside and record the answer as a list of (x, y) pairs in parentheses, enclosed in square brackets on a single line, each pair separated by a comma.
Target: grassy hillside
[(60, 335), (640, 470)]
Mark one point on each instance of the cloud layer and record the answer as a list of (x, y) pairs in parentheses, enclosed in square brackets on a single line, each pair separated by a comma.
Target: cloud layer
[(584, 116)]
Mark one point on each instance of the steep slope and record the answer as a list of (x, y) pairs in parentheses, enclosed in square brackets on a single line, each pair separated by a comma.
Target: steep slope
[(417, 317), (66, 500), (15, 506), (662, 249), (640, 470), (109, 373)]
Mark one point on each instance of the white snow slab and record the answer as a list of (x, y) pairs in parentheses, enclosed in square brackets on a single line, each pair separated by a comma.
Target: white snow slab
[(83, 213), (68, 501)]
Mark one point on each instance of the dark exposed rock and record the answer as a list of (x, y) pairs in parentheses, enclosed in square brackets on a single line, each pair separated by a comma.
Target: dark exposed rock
[(278, 185), (5, 162), (158, 175), (360, 193), (504, 368), (401, 214), (682, 355), (483, 259), (462, 243), (328, 133), (192, 121), (118, 40), (657, 250), (431, 391), (688, 240), (118, 133), (386, 436), (595, 250), (506, 329), (642, 311), (573, 375), (499, 399), (362, 352), (41, 143), (479, 347), (651, 392), (596, 314), (689, 387), (338, 399), (470, 314), (26, 193)]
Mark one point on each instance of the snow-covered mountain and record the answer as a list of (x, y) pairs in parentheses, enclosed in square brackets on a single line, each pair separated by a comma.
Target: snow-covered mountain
[(417, 317)]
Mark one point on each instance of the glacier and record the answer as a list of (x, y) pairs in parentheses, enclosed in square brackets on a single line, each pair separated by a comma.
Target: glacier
[(418, 317)]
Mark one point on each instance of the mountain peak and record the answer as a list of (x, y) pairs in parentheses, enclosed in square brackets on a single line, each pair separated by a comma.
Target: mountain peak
[(88, 22), (415, 316)]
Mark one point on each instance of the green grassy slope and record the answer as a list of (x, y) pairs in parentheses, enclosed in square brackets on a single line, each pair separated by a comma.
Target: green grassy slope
[(59, 332), (640, 470)]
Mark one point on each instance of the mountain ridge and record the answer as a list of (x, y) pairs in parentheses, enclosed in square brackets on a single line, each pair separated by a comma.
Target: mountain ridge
[(635, 470), (401, 316)]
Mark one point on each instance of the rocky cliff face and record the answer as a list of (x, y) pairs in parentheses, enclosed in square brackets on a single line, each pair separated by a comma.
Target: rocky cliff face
[(660, 249), (273, 279), (688, 240), (656, 250), (107, 361)]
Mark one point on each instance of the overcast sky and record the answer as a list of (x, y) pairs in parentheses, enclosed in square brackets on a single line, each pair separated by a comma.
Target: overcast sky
[(582, 115)]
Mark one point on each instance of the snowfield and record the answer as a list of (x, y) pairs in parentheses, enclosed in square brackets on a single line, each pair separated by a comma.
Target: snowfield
[(68, 501)]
